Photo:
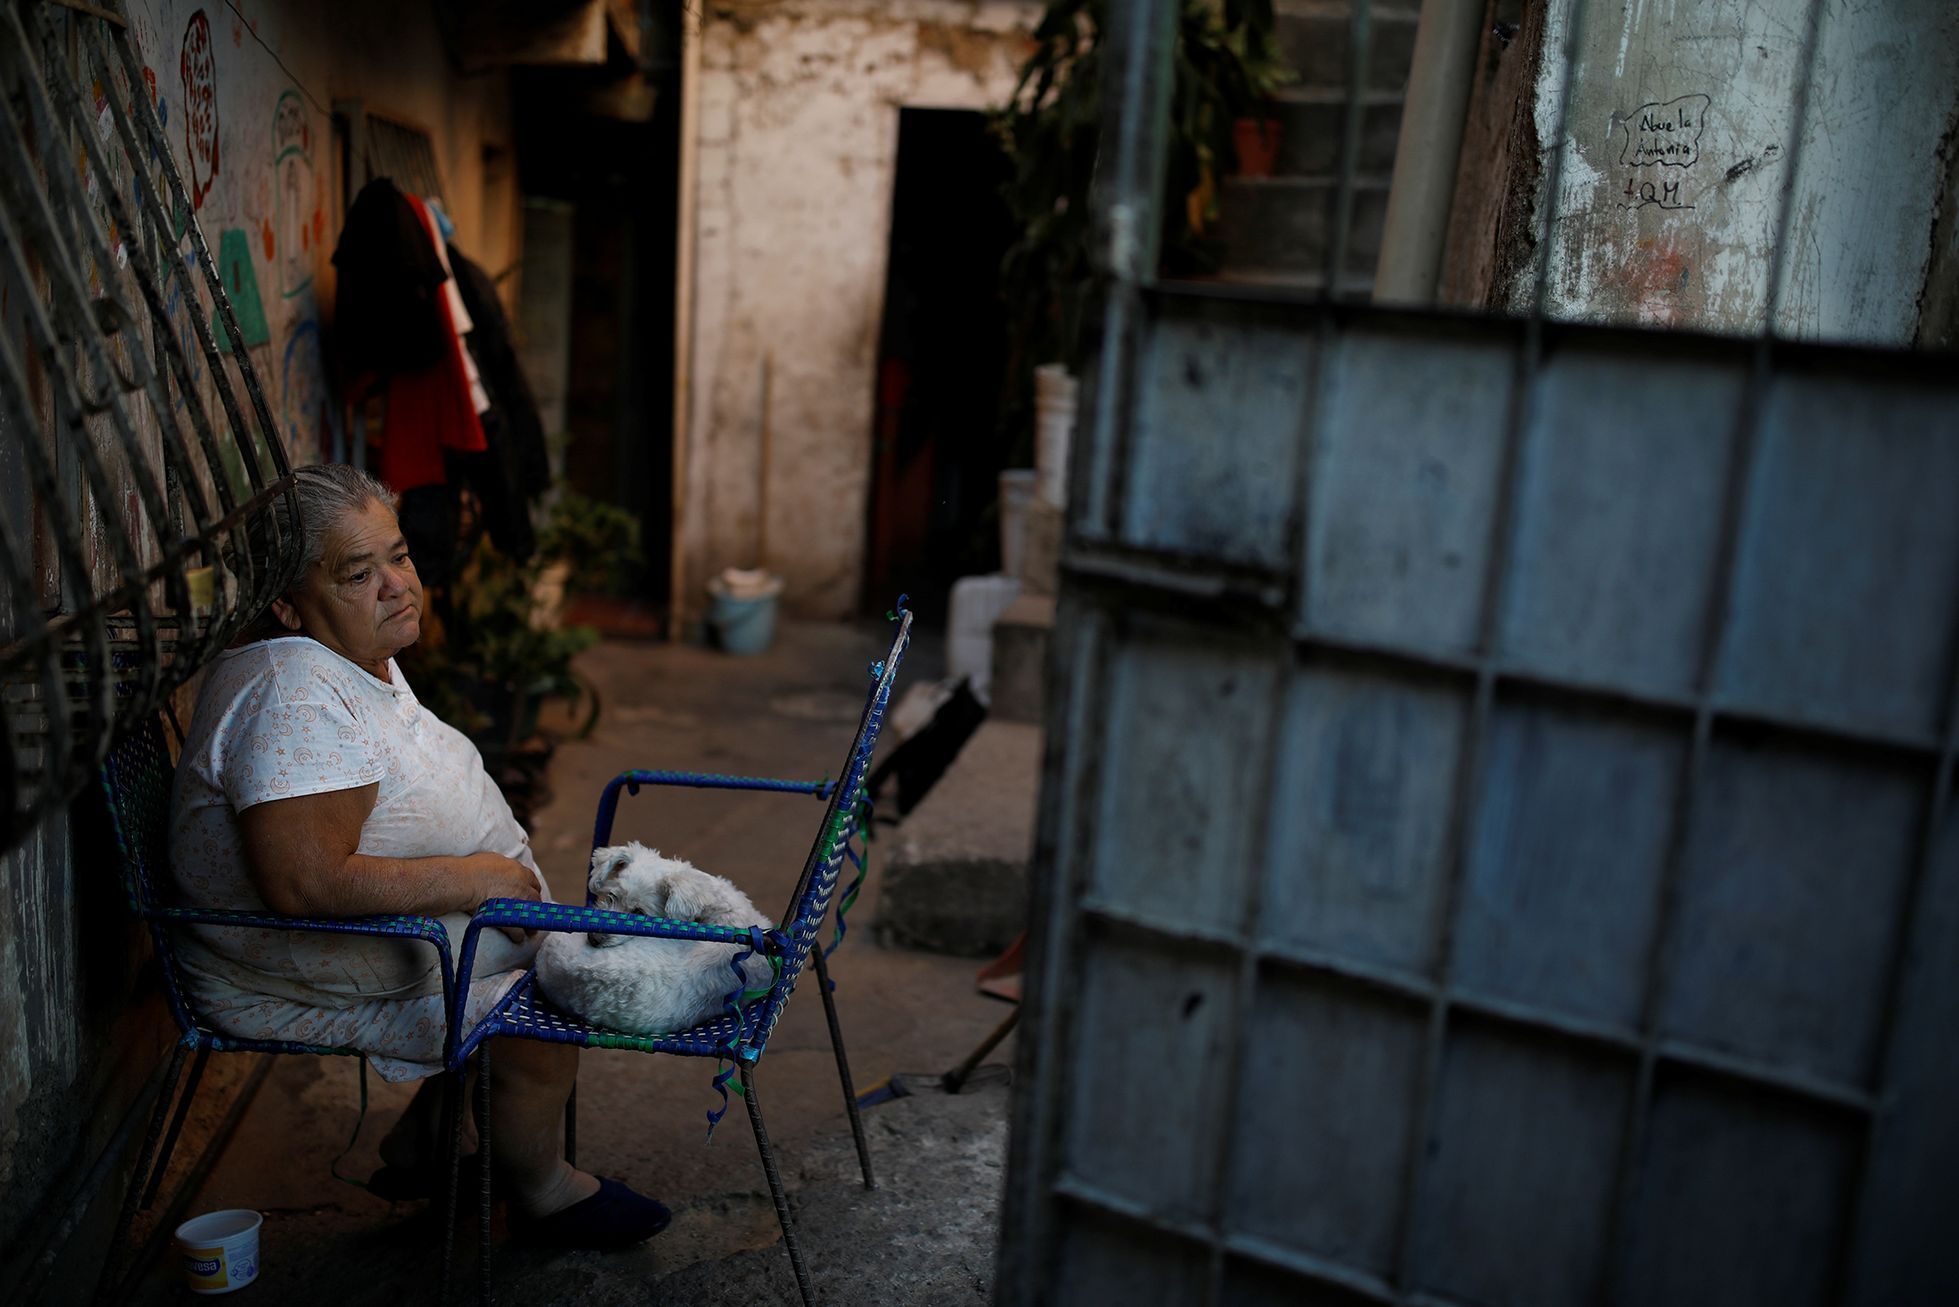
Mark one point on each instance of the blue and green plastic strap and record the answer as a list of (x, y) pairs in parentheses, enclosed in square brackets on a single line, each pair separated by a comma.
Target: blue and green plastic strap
[(733, 1004)]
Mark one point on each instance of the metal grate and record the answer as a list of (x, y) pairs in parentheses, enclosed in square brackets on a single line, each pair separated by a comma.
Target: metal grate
[(403, 153), (1501, 846), (148, 501)]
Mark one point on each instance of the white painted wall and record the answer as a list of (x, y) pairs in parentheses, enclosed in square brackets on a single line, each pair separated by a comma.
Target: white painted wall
[(1691, 245), (797, 141)]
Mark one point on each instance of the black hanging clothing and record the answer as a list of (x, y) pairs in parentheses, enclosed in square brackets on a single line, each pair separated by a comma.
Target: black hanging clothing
[(430, 518), (387, 308), (495, 352)]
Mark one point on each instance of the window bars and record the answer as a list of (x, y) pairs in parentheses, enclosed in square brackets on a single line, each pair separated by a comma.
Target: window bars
[(402, 152), (146, 510)]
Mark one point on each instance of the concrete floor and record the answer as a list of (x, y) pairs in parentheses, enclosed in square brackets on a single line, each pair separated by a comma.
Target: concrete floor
[(926, 1235)]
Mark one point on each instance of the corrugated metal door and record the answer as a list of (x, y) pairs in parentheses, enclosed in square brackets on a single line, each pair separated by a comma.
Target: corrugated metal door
[(1498, 821)]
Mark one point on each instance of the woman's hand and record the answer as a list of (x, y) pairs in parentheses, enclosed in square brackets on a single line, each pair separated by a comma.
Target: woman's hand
[(494, 876)]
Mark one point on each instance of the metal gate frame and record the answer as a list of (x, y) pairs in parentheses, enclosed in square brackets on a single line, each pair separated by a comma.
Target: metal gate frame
[(105, 633), (1150, 564)]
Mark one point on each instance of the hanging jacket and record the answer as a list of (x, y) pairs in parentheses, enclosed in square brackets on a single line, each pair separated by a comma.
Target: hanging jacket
[(434, 408), (495, 349), (387, 308)]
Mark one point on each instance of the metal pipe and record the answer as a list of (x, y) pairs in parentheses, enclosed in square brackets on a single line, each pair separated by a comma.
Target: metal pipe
[(1427, 151), (686, 254)]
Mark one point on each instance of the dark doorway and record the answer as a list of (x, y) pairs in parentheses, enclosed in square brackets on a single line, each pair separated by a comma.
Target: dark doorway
[(621, 179), (937, 449)]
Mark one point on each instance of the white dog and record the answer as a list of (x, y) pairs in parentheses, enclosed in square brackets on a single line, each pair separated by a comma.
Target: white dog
[(643, 985)]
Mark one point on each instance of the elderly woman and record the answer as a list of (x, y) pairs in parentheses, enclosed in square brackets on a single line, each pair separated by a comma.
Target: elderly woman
[(314, 783)]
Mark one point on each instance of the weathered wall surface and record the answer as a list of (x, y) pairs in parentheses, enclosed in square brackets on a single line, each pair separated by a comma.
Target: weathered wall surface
[(246, 108), (797, 141), (1683, 126)]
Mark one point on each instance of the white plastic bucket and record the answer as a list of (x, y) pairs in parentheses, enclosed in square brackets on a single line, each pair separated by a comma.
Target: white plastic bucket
[(1054, 426), (220, 1250), (976, 603), (1016, 493)]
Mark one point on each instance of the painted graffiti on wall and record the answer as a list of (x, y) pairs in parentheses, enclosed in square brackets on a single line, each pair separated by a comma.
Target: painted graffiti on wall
[(1666, 134), (241, 286), (198, 64), (292, 193), (306, 405)]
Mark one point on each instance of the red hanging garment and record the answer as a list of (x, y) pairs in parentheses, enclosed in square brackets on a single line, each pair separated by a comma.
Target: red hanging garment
[(429, 410)]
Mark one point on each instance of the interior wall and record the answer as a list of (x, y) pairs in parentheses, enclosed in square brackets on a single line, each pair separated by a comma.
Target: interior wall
[(797, 148), (1683, 130)]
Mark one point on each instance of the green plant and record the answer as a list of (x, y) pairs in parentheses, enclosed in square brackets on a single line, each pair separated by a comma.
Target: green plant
[(1225, 63), (599, 541), (504, 649)]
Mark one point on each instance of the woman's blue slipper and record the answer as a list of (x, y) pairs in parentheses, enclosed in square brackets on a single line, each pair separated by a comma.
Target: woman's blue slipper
[(614, 1217)]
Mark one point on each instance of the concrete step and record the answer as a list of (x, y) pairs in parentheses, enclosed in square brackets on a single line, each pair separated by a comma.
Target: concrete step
[(1283, 224), (1313, 123), (1316, 43), (955, 877), (1020, 659)]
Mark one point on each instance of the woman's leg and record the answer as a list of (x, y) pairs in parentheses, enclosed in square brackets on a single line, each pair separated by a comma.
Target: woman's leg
[(529, 1082), (416, 1139)]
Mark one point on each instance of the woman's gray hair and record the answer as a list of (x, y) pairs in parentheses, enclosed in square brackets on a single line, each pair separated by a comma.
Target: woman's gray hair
[(327, 493)]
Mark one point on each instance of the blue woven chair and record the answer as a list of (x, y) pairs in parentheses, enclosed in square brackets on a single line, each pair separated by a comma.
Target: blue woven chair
[(740, 1035), (136, 779)]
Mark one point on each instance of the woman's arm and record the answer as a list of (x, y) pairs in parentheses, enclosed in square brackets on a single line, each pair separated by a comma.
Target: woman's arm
[(301, 855)]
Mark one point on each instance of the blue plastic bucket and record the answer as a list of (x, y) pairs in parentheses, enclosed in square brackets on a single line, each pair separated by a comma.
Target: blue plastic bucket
[(741, 625)]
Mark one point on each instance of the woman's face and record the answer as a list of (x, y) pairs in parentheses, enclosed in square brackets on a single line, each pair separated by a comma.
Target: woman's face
[(362, 599)]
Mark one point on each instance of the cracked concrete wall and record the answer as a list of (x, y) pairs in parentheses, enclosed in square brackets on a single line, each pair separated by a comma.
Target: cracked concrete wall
[(1682, 129), (798, 138)]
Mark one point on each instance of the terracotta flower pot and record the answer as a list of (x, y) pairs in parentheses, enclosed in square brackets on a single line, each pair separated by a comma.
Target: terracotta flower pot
[(1257, 140)]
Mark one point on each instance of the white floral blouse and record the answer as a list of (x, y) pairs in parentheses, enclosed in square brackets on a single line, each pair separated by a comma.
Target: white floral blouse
[(288, 717)]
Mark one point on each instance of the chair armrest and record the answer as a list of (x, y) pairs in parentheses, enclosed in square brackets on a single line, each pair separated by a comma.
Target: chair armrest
[(568, 919), (394, 927), (427, 928), (716, 781), (630, 781)]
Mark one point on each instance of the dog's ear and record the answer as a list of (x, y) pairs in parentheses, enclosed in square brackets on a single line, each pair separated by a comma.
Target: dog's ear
[(690, 895), (607, 864)]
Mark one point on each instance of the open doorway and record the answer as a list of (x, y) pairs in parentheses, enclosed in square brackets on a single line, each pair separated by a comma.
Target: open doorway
[(937, 447), (616, 180)]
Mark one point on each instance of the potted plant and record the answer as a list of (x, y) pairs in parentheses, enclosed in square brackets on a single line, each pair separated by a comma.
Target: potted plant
[(1226, 66), (504, 652)]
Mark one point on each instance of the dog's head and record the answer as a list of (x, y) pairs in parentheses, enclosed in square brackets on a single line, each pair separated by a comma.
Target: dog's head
[(634, 878)]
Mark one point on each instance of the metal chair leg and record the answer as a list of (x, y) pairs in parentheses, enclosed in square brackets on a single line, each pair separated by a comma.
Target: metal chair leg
[(571, 1126), (453, 1090), (775, 1184), (484, 1293), (126, 1217), (843, 1068), (176, 1128)]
